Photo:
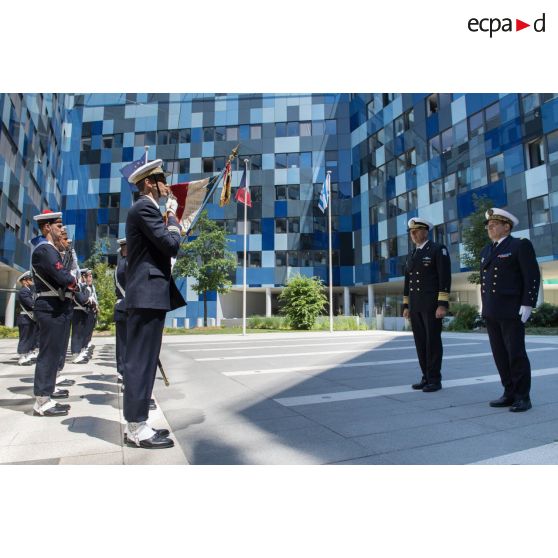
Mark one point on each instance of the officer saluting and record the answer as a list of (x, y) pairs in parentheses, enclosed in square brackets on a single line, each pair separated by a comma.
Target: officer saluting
[(426, 299), (53, 284), (26, 320), (120, 315), (150, 294), (510, 280)]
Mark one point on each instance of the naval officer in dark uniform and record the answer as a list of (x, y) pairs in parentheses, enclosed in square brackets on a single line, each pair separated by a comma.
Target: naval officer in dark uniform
[(150, 294), (510, 280), (426, 300), (54, 285), (28, 330), (120, 315)]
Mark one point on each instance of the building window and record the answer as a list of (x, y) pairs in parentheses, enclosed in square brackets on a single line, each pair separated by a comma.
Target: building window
[(232, 133), (280, 129), (435, 146), (331, 127), (492, 116), (185, 135), (280, 160), (535, 153), (305, 129), (452, 231), (530, 102), (255, 226), (280, 226), (540, 211), (447, 140), (209, 134), (230, 226), (281, 192), (294, 224), (280, 258), (476, 124), (293, 129), (399, 125), (109, 200), (207, 165), (431, 104), (436, 191), (85, 144), (450, 184), (496, 167), (292, 259), (256, 131), (293, 192), (184, 166), (254, 259)]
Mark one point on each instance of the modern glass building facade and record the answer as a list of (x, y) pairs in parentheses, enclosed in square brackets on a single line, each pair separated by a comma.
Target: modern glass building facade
[(392, 157)]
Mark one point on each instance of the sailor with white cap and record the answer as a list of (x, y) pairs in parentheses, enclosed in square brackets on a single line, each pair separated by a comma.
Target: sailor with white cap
[(510, 280), (79, 321), (28, 330), (54, 285), (426, 299), (150, 294)]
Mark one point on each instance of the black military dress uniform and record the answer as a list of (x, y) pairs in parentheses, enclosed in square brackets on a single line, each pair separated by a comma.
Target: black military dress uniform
[(510, 278), (427, 286), (150, 294), (28, 329), (52, 311)]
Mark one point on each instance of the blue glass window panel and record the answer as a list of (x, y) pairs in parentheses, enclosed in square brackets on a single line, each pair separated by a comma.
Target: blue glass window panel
[(96, 128), (509, 107), (514, 160), (549, 114), (492, 142), (306, 160), (411, 179), (104, 171), (434, 168), (196, 135), (346, 276), (244, 132), (399, 145), (345, 223), (510, 134), (281, 208), (357, 222), (432, 127), (268, 233)]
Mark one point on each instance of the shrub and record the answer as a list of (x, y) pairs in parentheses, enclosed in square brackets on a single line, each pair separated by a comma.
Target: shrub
[(267, 322), (464, 316), (340, 323), (8, 332), (303, 300), (546, 315)]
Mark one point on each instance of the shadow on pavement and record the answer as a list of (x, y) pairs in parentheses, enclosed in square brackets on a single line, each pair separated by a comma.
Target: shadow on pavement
[(100, 428)]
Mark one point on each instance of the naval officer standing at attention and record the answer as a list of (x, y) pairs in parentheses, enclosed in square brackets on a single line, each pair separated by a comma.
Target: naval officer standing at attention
[(426, 300), (510, 280), (150, 294)]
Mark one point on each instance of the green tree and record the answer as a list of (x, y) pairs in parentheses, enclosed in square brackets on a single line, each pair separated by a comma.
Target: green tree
[(103, 279), (475, 238), (207, 260), (303, 299)]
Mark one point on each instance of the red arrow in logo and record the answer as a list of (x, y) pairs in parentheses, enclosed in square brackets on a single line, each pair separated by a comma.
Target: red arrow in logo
[(519, 25)]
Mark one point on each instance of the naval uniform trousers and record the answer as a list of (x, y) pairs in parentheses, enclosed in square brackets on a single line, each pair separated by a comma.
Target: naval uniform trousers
[(52, 316), (507, 341), (143, 345), (79, 318), (28, 337), (121, 333), (62, 361), (90, 322), (427, 332)]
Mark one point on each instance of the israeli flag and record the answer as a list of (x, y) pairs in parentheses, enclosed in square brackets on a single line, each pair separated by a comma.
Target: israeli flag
[(324, 197)]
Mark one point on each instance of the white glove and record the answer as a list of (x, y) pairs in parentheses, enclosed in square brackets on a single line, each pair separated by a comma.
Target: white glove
[(171, 205), (525, 312)]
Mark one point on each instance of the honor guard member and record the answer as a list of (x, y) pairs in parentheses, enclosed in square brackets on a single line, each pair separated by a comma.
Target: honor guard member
[(150, 294), (92, 311), (510, 280), (426, 300), (26, 320), (54, 285), (120, 315), (79, 320)]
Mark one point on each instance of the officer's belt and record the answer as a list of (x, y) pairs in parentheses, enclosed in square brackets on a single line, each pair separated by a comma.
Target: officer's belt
[(53, 293), (27, 313)]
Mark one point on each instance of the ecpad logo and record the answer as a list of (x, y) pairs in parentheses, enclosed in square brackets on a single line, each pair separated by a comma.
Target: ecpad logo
[(493, 25)]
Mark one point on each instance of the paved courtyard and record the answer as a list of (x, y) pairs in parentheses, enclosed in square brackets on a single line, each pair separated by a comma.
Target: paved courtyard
[(294, 398)]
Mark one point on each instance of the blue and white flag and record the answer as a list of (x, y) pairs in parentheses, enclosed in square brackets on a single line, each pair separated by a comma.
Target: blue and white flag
[(130, 168), (324, 195)]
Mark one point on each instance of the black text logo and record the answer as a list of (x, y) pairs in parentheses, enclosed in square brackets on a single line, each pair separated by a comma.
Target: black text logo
[(493, 25)]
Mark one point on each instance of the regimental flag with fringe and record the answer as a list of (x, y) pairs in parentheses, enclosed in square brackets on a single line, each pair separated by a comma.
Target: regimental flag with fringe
[(190, 197), (226, 192), (243, 191)]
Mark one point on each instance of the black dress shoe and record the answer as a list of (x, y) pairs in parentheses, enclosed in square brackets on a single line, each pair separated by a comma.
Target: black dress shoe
[(155, 442), (56, 411), (521, 405), (152, 405), (432, 387), (163, 432), (66, 383), (504, 401), (60, 394), (420, 385)]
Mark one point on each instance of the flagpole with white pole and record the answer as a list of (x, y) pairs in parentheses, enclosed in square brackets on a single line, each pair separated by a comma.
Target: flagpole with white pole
[(146, 147), (328, 186), (245, 246)]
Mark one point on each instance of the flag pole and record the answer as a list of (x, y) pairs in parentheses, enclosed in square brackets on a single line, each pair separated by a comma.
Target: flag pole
[(146, 147), (245, 245), (328, 186)]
